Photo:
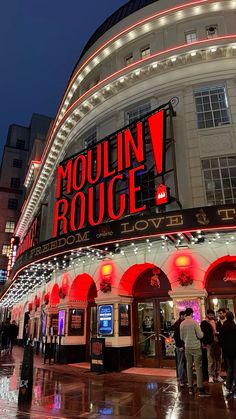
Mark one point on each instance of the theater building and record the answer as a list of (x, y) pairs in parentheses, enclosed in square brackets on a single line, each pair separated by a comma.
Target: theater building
[(131, 215)]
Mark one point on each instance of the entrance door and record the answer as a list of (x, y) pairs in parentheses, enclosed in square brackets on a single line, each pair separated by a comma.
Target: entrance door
[(154, 337), (91, 331)]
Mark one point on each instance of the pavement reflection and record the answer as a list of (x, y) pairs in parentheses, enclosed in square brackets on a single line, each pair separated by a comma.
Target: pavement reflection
[(62, 391)]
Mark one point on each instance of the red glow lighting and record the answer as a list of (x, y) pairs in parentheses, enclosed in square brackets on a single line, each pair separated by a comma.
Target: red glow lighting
[(80, 288), (183, 261)]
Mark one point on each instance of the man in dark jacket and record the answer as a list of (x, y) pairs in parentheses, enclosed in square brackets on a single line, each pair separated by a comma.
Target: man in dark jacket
[(219, 324), (180, 355), (227, 339), (13, 333), (210, 341)]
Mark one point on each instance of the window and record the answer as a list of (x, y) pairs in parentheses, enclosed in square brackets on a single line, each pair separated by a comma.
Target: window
[(129, 59), (145, 52), (220, 180), (138, 112), (191, 37), (15, 182), (212, 31), (211, 106), (10, 227), (90, 140), (20, 144), (12, 203), (6, 249), (17, 163)]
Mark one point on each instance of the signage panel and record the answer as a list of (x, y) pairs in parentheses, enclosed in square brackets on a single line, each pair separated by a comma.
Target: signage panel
[(61, 322), (54, 324), (105, 320), (115, 181), (124, 320), (97, 354), (76, 322)]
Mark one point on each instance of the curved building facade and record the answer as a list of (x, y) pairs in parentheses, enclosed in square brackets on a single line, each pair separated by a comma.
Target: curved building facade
[(130, 213)]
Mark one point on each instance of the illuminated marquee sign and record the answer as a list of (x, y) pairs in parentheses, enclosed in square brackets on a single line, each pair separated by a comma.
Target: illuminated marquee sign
[(11, 255), (105, 181), (29, 239)]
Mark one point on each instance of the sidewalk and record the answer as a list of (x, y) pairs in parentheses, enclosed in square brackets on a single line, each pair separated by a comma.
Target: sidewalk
[(66, 391)]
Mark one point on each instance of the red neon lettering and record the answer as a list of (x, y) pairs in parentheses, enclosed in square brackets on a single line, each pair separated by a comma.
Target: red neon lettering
[(79, 173), (112, 199), (156, 126), (64, 173), (74, 206), (107, 160), (133, 189), (94, 164), (138, 149), (92, 205), (60, 218), (120, 151)]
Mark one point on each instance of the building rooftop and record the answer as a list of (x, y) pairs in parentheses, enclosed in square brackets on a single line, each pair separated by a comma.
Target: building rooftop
[(120, 14)]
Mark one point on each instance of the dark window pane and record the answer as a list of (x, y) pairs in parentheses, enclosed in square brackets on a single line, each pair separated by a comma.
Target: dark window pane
[(227, 193), (224, 173), (205, 164), (207, 174), (232, 172), (233, 182), (214, 163), (226, 183)]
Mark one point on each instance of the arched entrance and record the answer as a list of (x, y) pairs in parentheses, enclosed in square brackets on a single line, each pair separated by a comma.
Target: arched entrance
[(220, 283), (153, 315), (83, 292)]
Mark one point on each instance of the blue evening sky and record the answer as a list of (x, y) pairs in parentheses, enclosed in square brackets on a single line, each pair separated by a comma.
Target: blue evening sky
[(40, 43)]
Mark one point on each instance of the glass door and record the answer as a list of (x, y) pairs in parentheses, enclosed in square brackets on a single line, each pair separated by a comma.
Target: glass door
[(91, 331), (146, 334), (154, 337), (166, 341)]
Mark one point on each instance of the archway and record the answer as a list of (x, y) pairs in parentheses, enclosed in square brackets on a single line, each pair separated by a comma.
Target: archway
[(54, 299), (83, 288), (220, 283)]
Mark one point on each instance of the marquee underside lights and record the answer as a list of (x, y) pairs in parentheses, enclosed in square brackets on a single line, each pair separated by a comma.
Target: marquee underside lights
[(31, 277)]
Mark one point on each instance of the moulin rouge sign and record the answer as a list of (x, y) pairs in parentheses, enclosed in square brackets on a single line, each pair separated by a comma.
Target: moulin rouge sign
[(88, 192)]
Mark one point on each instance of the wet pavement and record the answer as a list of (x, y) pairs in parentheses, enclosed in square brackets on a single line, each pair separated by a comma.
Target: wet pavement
[(70, 392)]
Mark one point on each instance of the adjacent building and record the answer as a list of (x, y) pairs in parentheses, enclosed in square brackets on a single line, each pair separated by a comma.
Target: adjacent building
[(21, 142), (131, 213)]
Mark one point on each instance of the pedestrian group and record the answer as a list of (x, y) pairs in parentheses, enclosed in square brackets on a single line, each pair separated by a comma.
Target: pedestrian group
[(217, 338)]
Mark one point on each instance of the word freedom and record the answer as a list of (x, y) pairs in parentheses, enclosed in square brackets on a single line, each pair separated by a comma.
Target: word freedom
[(91, 185)]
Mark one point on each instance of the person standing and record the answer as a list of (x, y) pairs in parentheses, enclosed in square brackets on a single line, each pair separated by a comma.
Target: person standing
[(13, 333), (227, 339), (191, 334), (210, 340), (5, 335), (219, 324), (180, 354)]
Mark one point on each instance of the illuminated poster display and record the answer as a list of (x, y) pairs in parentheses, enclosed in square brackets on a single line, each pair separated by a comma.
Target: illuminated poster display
[(54, 324), (76, 322), (61, 322), (43, 324), (105, 320), (124, 320)]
